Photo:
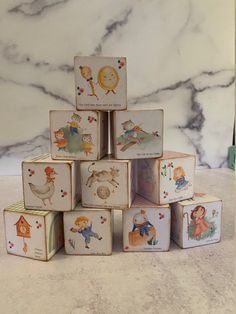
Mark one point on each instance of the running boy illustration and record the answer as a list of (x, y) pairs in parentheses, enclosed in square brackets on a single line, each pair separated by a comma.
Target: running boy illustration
[(85, 229)]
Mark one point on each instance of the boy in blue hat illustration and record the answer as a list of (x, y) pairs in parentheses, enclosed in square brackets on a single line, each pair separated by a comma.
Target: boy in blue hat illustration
[(74, 123), (85, 229)]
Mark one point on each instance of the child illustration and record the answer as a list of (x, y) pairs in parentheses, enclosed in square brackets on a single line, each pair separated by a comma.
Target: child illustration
[(74, 123), (199, 223), (141, 223), (60, 141), (85, 229), (179, 178)]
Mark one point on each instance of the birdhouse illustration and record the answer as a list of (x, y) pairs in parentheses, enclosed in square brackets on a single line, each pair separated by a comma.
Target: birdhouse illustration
[(22, 228)]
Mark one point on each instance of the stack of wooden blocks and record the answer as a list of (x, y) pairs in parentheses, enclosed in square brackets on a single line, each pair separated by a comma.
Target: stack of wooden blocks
[(70, 194)]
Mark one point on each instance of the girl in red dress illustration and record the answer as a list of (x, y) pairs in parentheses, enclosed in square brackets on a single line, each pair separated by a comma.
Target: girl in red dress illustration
[(199, 222)]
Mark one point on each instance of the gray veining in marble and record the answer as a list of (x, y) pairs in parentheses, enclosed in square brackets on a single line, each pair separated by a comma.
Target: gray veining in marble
[(180, 58)]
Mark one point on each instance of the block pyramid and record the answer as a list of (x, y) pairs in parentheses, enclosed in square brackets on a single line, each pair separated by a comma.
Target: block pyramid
[(70, 194)]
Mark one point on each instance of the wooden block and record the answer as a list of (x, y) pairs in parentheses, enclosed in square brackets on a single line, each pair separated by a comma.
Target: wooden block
[(167, 179), (78, 135), (100, 83), (108, 183), (31, 233), (88, 231), (50, 184), (146, 226), (196, 221), (137, 134)]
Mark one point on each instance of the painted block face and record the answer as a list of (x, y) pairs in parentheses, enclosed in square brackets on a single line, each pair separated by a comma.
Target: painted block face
[(108, 183), (88, 231), (50, 184), (146, 226), (167, 179), (31, 233), (196, 221), (78, 135), (100, 83), (137, 134)]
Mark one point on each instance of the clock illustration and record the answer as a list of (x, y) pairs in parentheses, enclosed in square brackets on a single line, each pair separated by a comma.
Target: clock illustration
[(23, 227)]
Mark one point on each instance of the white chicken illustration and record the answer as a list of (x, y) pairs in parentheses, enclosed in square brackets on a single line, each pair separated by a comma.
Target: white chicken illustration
[(46, 191)]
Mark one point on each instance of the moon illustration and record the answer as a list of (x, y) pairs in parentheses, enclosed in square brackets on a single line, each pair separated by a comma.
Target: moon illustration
[(108, 78), (103, 192)]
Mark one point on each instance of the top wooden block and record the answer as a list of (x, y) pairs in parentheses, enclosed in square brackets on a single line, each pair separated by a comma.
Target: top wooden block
[(100, 83)]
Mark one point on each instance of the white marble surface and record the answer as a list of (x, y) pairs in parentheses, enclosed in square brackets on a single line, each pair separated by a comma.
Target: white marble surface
[(180, 57), (196, 280)]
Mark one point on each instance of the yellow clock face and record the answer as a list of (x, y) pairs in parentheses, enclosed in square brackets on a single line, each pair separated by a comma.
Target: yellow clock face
[(23, 229), (108, 78)]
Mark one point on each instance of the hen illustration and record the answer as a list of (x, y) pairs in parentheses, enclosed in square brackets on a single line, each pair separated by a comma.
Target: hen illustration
[(46, 191)]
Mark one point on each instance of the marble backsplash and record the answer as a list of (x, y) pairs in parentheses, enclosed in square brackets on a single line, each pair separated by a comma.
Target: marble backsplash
[(180, 58)]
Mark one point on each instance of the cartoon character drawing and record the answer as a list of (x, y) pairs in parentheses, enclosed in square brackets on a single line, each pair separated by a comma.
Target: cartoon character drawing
[(143, 232), (71, 139), (131, 131), (86, 73), (179, 178), (85, 229), (74, 123), (141, 223), (108, 79), (69, 136), (46, 191), (199, 222), (87, 144), (134, 134), (60, 141), (200, 227), (103, 176)]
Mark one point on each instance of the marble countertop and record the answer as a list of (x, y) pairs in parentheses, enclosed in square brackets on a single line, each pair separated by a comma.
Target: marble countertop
[(197, 280)]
